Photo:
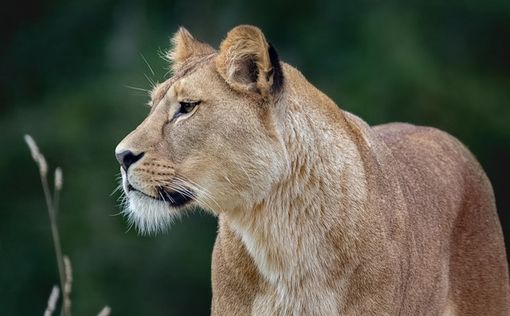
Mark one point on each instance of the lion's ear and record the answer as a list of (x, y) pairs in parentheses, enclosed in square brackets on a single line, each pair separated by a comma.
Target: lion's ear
[(248, 62), (185, 46)]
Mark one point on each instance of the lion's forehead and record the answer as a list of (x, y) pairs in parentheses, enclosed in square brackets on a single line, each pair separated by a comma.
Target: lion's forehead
[(175, 81)]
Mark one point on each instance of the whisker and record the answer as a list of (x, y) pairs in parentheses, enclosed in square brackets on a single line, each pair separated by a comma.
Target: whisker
[(200, 189), (147, 63), (116, 189), (167, 197), (116, 214), (137, 89), (192, 183), (138, 94), (196, 187), (152, 83), (130, 225)]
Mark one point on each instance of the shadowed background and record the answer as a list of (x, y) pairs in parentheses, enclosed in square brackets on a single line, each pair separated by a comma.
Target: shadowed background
[(64, 68)]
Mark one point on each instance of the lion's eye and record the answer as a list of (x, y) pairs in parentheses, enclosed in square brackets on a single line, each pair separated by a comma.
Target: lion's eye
[(187, 107)]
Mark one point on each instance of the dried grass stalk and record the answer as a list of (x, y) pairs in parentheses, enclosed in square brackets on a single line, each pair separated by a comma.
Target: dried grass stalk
[(58, 182), (34, 150), (52, 301), (59, 179), (67, 286), (64, 264), (50, 204), (105, 311)]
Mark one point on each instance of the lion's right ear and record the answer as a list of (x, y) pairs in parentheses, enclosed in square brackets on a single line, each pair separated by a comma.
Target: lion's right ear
[(185, 47), (248, 63)]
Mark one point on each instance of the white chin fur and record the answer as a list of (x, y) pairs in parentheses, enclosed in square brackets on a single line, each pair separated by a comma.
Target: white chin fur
[(149, 216)]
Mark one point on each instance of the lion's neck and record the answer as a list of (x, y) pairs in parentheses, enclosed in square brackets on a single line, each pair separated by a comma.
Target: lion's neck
[(292, 232)]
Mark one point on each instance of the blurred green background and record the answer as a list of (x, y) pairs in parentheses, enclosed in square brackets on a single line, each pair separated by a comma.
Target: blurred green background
[(64, 68)]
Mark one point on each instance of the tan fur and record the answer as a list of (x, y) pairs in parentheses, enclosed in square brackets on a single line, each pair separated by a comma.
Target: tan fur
[(319, 213), (185, 47), (244, 43)]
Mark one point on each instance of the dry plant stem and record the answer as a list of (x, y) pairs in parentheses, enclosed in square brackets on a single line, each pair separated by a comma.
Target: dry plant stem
[(66, 301), (64, 271), (105, 311), (52, 301), (56, 197), (58, 179), (55, 234)]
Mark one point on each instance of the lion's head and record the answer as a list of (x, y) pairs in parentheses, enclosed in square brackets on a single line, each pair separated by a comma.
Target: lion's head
[(212, 138)]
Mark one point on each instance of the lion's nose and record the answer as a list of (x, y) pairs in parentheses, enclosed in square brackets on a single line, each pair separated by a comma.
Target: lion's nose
[(126, 158)]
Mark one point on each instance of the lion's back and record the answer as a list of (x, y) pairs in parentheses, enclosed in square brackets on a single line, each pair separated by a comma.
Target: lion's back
[(454, 232)]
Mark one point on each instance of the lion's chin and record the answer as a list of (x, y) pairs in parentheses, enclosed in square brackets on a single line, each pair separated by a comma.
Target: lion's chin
[(148, 215)]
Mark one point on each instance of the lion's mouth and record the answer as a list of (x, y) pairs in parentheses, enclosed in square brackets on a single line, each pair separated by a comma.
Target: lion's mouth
[(176, 198), (173, 198)]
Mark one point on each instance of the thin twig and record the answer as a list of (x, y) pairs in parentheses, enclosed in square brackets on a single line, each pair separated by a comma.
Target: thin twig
[(105, 311), (52, 301), (66, 301), (58, 181), (54, 231)]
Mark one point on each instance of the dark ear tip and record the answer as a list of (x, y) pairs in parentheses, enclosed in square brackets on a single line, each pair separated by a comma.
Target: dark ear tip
[(277, 70)]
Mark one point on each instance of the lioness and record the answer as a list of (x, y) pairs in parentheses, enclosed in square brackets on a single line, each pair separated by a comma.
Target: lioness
[(319, 213)]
